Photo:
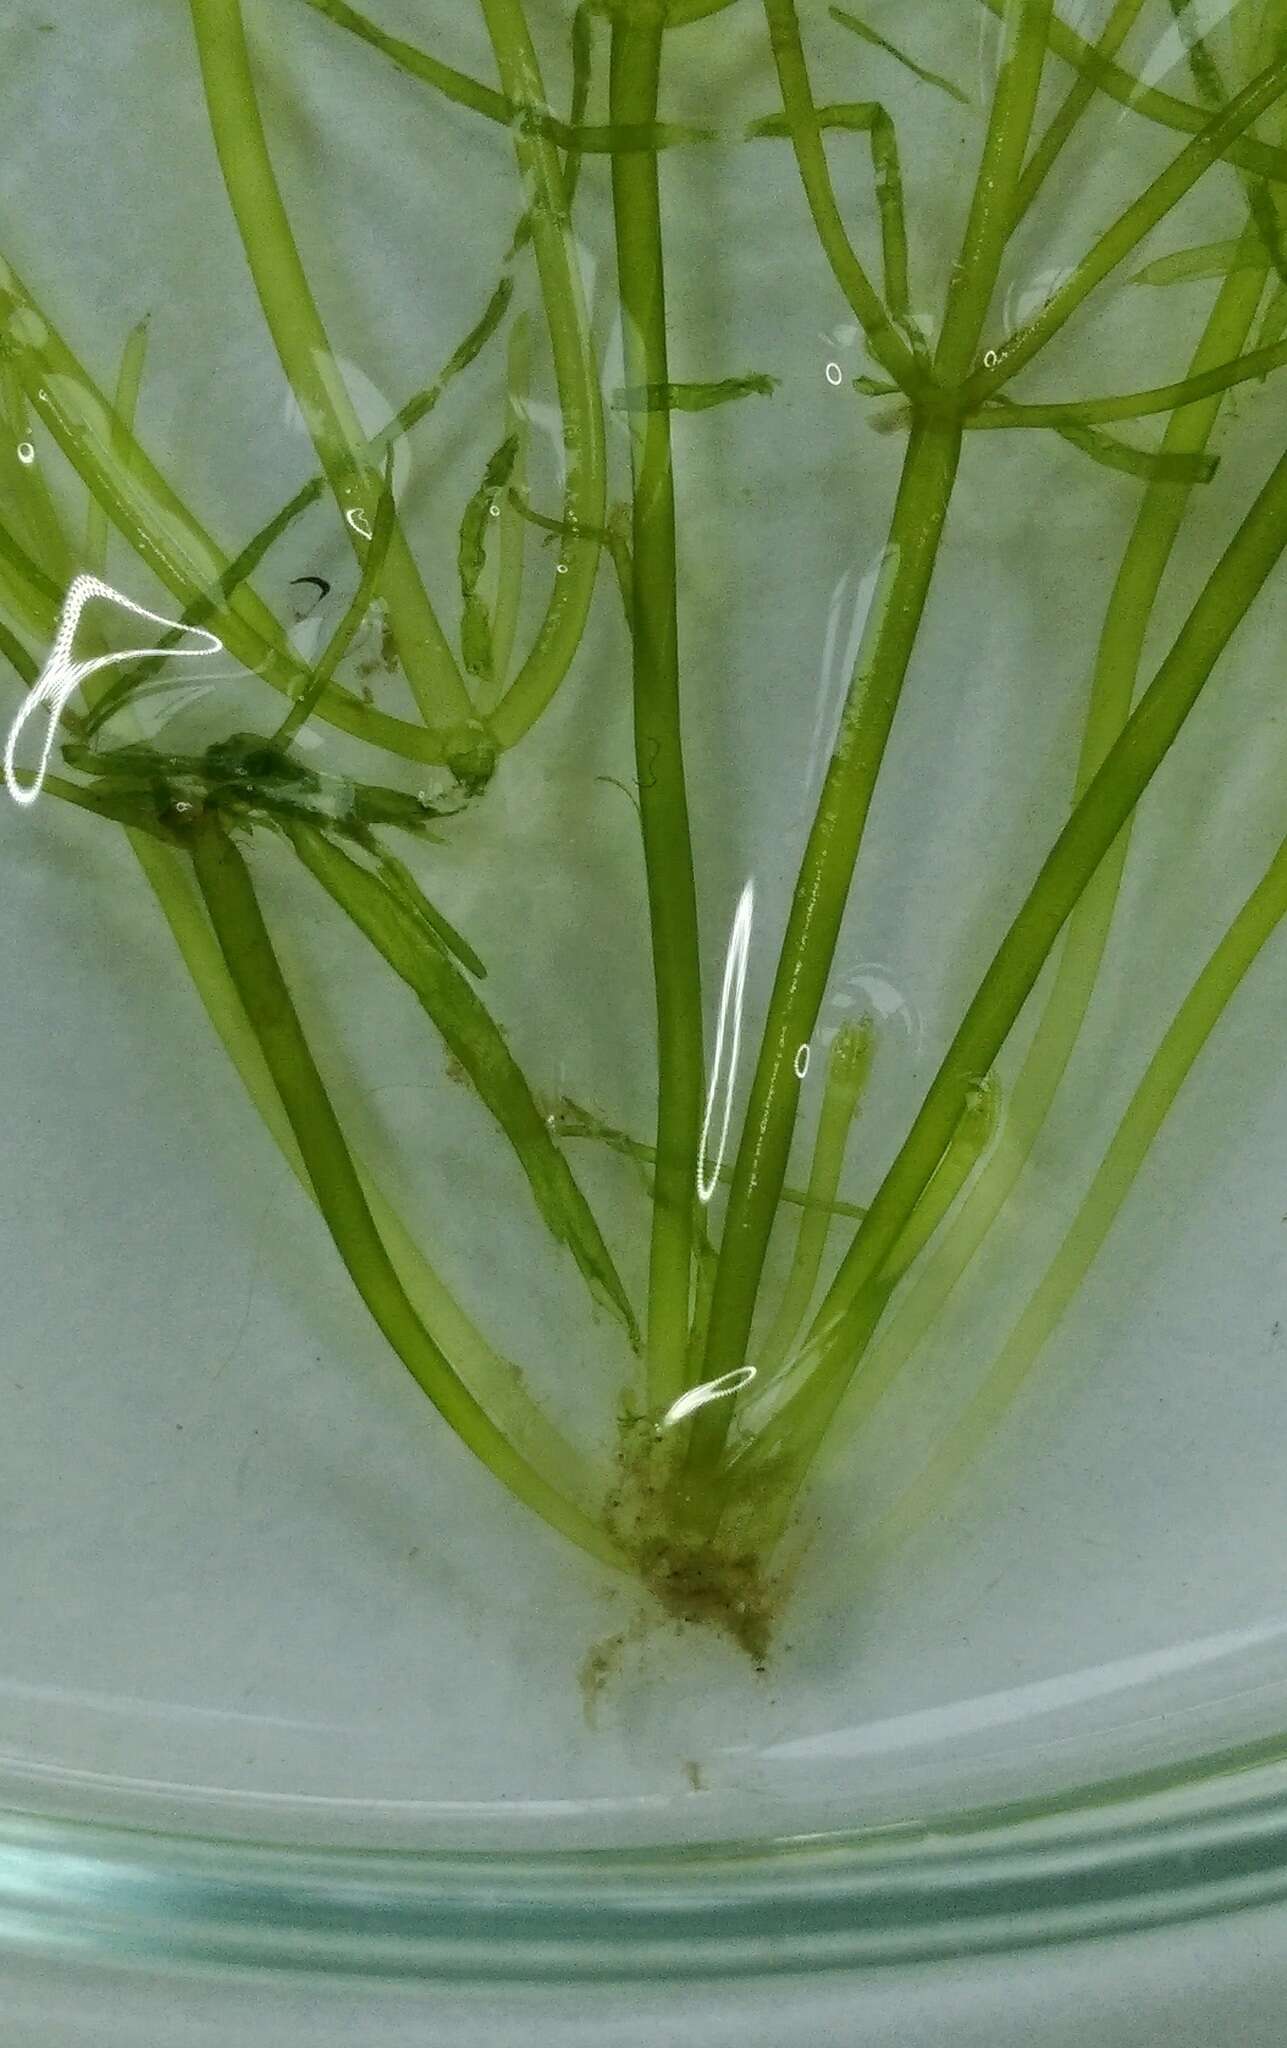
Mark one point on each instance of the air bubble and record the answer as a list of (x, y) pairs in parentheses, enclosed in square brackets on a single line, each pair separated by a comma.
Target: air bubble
[(358, 520), (991, 359), (26, 454), (835, 375), (871, 987), (801, 1062)]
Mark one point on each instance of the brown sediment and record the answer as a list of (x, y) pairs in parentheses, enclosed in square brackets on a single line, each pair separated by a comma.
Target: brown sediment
[(718, 1580), (707, 1587), (599, 1666)]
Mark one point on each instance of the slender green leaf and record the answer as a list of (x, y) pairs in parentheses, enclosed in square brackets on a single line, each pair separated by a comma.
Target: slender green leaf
[(695, 397), (472, 1036), (870, 35)]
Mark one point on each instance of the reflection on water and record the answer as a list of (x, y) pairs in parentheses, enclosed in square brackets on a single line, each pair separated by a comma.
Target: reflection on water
[(728, 1032), (61, 676)]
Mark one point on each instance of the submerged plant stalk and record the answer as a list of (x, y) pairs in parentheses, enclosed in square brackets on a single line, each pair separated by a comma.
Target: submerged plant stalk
[(243, 938), (659, 758)]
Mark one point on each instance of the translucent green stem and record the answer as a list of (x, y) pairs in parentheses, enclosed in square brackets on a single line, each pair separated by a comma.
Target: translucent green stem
[(1026, 26), (247, 561), (158, 526), (819, 903), (513, 108), (30, 596), (890, 348), (868, 117), (1260, 41), (866, 34), (1167, 1071), (308, 360), (1265, 159), (1068, 870), (444, 78), (512, 526), (493, 1380), (1132, 405), (893, 626), (1128, 231), (472, 1035), (252, 964), (680, 12), (576, 378), (23, 482), (574, 1122), (128, 385), (355, 612), (23, 665), (1130, 611), (848, 1068), (1121, 21), (800, 1405), (663, 800)]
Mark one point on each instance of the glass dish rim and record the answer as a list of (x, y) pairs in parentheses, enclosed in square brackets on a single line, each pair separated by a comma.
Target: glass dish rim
[(1185, 1842)]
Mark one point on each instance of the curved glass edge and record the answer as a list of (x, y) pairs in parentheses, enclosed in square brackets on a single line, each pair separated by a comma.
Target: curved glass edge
[(1118, 1857)]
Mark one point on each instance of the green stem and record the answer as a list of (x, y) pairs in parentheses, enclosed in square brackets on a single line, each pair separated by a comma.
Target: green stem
[(576, 377), (1266, 160), (128, 385), (1274, 325), (582, 40), (869, 118), (472, 560), (826, 873), (1117, 28), (1113, 684), (32, 597), (252, 963), (819, 903), (512, 526), (493, 1380), (24, 666), (1103, 810), (158, 526), (872, 36), (800, 1405), (244, 565), (887, 345), (444, 78), (1134, 405), (377, 554), (1128, 231), (1167, 1071), (514, 108), (992, 208), (308, 360), (634, 77), (970, 1140), (572, 1121), (848, 1068), (680, 12), (23, 481), (473, 1037)]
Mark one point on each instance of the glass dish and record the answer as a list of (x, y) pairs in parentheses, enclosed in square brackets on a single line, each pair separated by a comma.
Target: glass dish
[(291, 1682)]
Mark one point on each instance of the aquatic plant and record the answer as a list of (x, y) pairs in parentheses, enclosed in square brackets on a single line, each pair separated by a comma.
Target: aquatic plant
[(775, 1316)]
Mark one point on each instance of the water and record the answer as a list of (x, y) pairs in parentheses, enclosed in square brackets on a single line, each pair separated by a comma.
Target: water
[(246, 1566)]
